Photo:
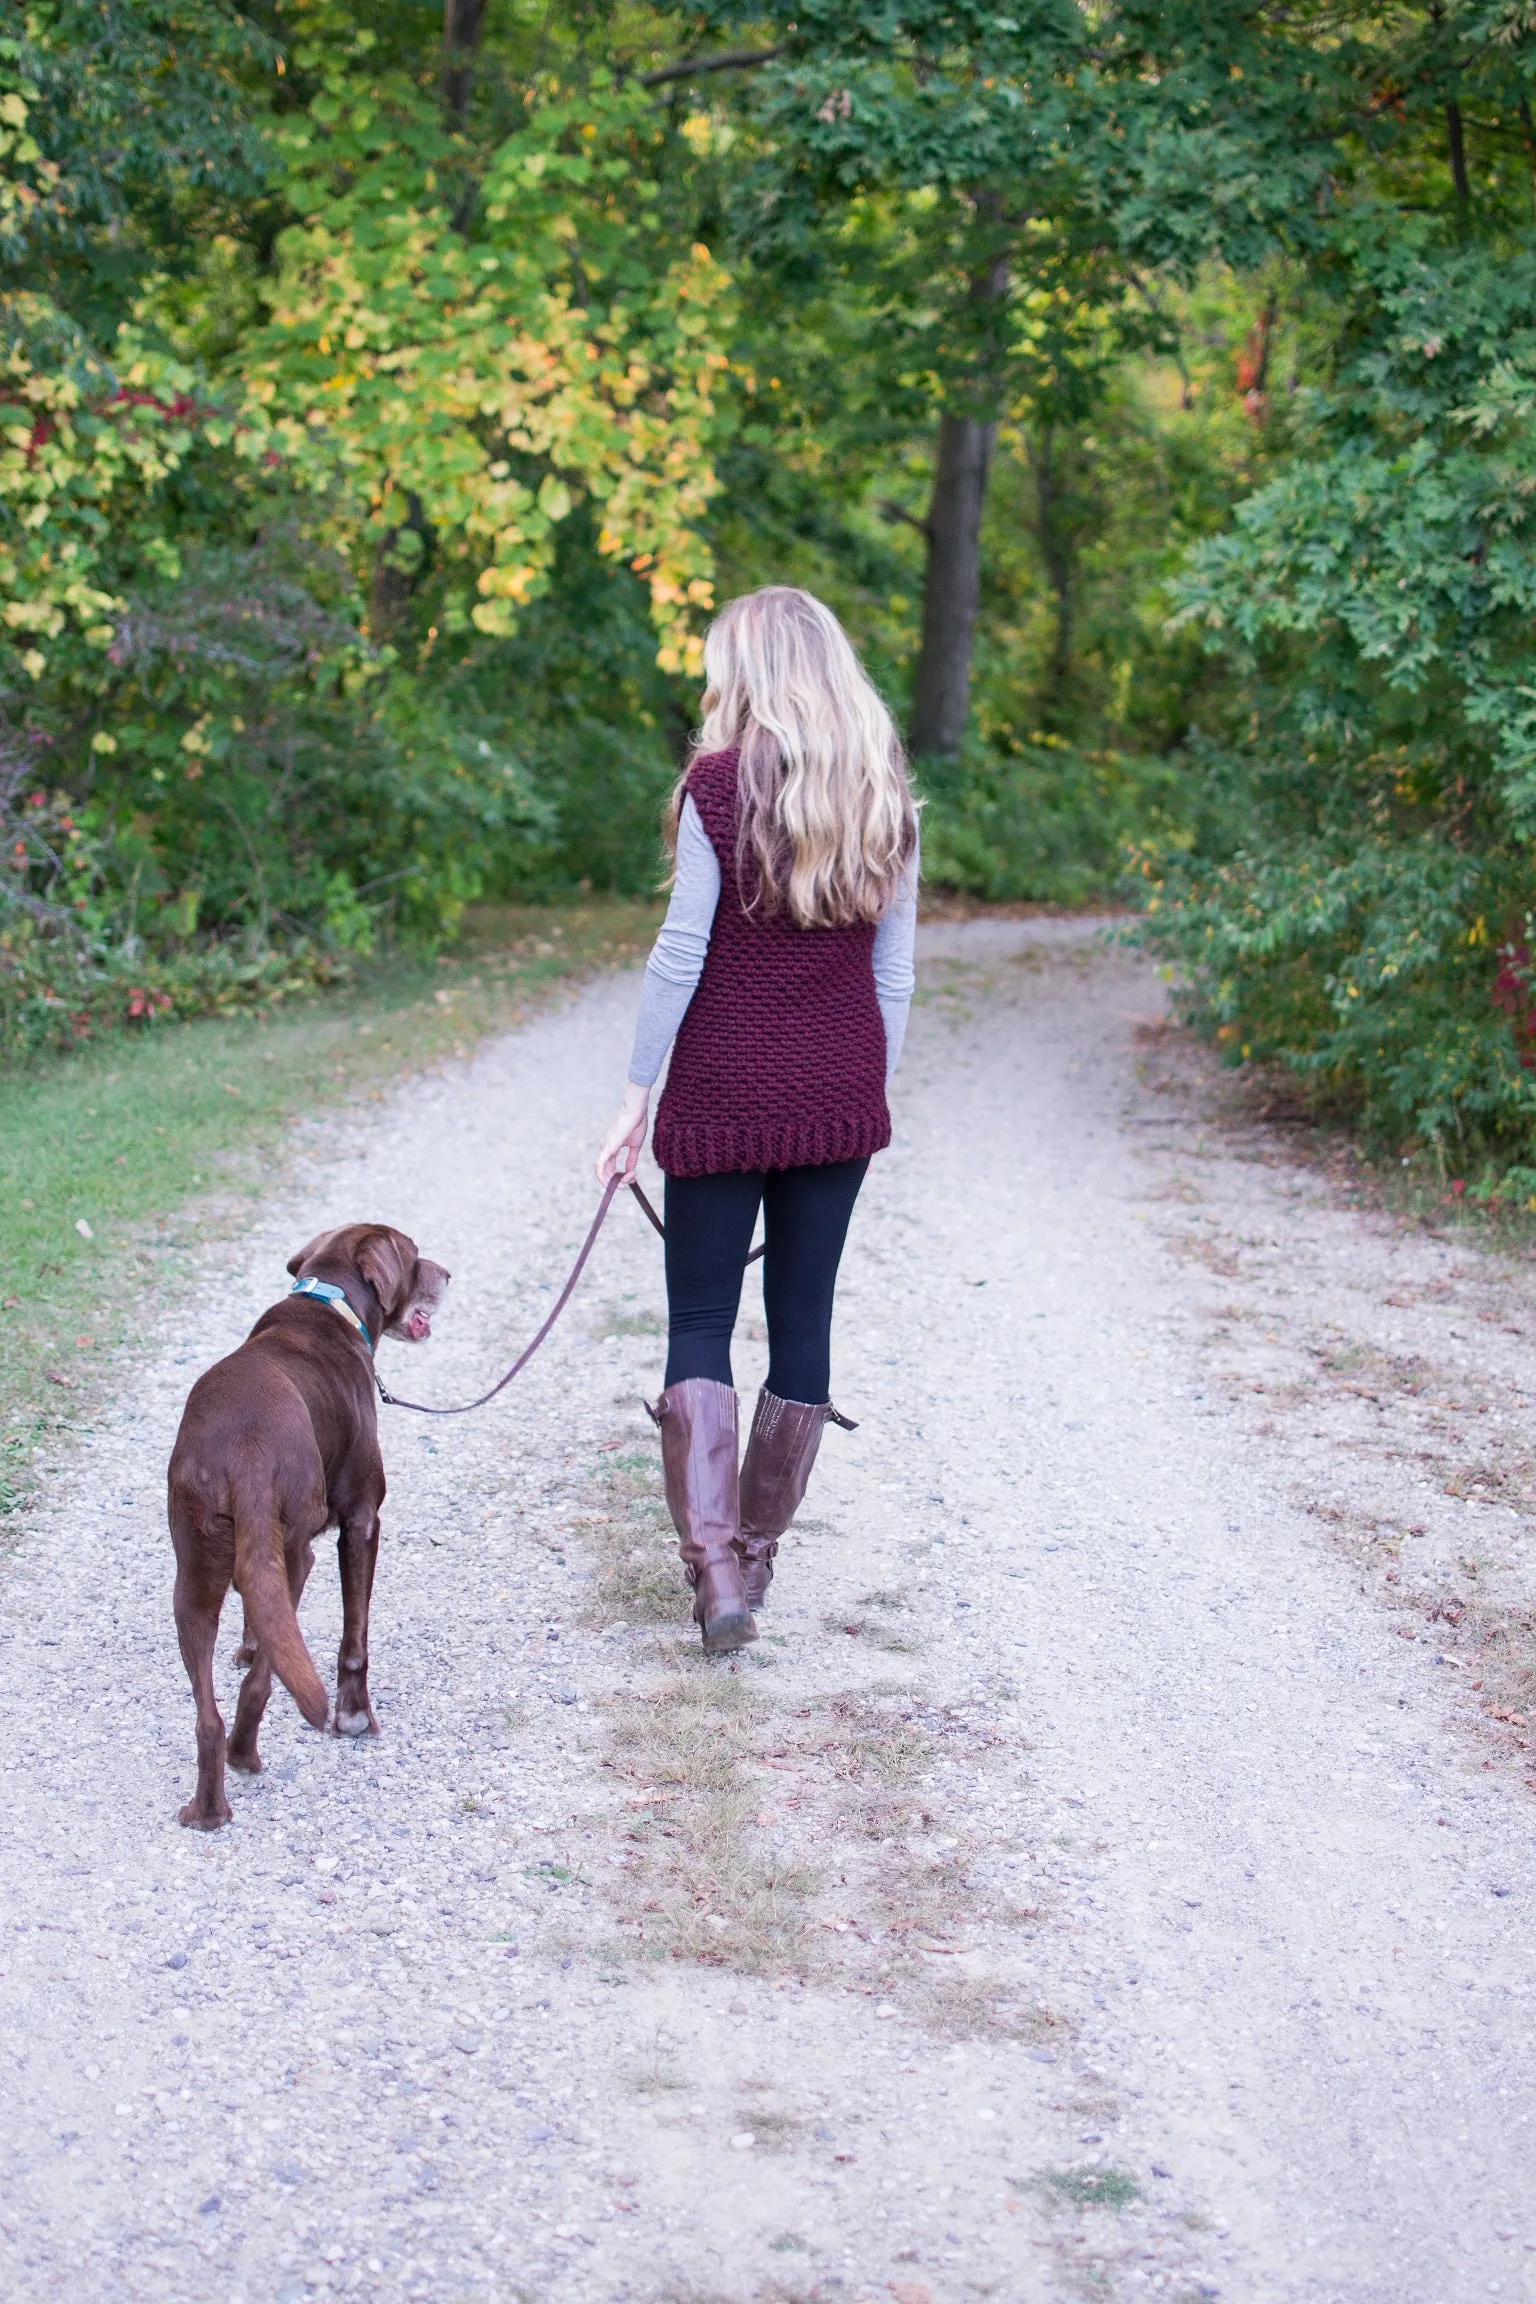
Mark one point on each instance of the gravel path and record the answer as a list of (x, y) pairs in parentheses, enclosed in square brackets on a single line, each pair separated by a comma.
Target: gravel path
[(1079, 1891)]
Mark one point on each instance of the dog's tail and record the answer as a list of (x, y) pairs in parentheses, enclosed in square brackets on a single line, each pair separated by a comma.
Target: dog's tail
[(261, 1579)]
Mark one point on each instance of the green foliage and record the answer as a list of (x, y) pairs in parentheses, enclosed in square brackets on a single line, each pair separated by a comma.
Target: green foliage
[(465, 361), (1372, 929), (54, 995), (143, 138), (598, 728), (310, 383), (1045, 822), (1397, 543)]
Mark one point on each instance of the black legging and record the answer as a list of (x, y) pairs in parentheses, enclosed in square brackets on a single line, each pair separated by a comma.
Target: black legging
[(709, 1231)]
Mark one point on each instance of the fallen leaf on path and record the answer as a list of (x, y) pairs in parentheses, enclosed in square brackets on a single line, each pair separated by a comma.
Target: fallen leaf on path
[(54, 1377)]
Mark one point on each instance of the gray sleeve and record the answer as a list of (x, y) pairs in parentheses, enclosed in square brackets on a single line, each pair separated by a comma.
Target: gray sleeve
[(677, 958), (895, 975)]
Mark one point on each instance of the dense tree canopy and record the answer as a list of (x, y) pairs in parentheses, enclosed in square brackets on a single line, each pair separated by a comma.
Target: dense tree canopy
[(390, 393)]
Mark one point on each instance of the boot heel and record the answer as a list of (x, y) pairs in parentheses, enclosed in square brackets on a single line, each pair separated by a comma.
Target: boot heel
[(720, 1609), (733, 1629)]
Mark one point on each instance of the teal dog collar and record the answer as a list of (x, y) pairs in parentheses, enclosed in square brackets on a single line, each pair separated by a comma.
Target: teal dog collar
[(327, 1292)]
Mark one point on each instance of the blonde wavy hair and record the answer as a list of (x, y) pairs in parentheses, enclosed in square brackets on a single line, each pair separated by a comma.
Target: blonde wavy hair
[(828, 823)]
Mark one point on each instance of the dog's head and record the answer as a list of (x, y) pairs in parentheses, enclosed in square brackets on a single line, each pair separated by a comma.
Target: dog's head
[(409, 1288)]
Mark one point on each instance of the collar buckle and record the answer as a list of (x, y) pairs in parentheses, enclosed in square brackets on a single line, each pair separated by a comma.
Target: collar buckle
[(327, 1292)]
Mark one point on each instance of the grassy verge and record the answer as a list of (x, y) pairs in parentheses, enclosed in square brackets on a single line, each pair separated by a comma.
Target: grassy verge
[(117, 1161)]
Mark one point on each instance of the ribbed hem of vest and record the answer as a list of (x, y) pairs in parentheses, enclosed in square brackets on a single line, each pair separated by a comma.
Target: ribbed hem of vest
[(736, 1151)]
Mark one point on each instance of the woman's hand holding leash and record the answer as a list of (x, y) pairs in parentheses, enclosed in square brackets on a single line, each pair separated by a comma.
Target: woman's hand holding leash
[(625, 1140)]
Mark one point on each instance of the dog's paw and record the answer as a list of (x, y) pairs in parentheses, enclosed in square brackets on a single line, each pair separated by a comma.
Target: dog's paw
[(355, 1720), (247, 1761), (244, 1656), (206, 1819)]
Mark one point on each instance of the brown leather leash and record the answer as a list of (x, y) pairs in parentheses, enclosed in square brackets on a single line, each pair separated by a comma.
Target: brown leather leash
[(567, 1292), (660, 1229)]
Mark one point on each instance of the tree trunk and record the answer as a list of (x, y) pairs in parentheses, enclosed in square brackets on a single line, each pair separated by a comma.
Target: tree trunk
[(462, 20), (1056, 552), (952, 591), (1457, 143), (395, 579), (941, 692)]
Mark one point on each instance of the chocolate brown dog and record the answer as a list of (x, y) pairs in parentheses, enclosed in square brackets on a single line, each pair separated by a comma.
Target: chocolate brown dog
[(278, 1443)]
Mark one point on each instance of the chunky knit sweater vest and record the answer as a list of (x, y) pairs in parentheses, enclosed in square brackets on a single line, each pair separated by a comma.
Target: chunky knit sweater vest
[(780, 1060)]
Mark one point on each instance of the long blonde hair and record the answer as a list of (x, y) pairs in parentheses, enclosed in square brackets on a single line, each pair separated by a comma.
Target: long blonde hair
[(828, 822)]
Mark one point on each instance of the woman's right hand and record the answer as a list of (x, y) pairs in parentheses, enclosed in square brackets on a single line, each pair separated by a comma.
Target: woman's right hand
[(622, 1146)]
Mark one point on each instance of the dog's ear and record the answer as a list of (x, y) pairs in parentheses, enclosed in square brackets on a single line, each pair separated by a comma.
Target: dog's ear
[(320, 1242), (387, 1261)]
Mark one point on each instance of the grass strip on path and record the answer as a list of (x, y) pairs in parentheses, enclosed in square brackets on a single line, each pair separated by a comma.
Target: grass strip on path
[(117, 1161)]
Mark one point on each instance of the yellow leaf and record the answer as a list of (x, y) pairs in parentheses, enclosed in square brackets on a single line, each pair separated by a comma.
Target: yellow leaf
[(554, 498)]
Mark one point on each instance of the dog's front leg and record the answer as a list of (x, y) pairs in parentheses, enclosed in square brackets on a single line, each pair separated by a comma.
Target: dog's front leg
[(357, 1549)]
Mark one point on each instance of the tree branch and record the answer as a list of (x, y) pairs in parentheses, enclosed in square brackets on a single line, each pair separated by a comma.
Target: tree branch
[(1155, 306), (729, 60), (892, 512)]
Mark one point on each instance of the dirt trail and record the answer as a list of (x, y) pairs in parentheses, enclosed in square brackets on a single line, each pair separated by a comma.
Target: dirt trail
[(1080, 1891)]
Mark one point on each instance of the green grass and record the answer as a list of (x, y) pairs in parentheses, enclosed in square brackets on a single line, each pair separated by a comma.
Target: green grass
[(1089, 2187), (158, 1142)]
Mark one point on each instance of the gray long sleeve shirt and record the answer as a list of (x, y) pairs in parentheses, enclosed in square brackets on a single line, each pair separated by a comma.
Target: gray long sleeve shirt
[(677, 959)]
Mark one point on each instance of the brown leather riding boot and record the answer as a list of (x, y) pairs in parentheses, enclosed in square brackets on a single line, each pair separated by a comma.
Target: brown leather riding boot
[(780, 1453), (697, 1420)]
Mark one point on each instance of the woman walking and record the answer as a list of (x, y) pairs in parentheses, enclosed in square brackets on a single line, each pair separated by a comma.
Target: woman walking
[(781, 980)]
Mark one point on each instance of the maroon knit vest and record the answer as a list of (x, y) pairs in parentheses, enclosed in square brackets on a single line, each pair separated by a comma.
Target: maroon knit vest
[(780, 1060)]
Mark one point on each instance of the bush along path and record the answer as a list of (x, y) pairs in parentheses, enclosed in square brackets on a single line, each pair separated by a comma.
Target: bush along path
[(1079, 1890)]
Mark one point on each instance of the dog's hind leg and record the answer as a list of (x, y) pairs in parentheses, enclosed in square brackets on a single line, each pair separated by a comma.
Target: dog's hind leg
[(197, 1629), (357, 1549), (256, 1687), (245, 1655), (255, 1690)]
